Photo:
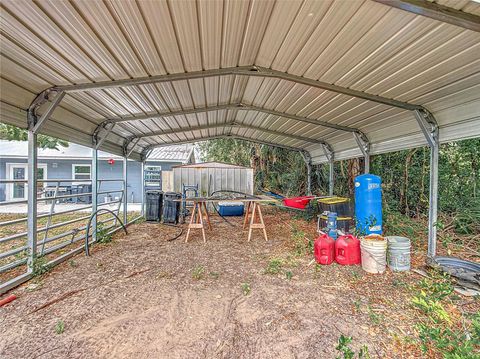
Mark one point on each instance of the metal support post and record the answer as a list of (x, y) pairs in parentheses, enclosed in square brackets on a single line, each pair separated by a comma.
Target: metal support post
[(429, 127), (32, 199), (330, 177), (125, 194), (330, 157), (94, 192), (364, 145), (308, 161), (142, 171)]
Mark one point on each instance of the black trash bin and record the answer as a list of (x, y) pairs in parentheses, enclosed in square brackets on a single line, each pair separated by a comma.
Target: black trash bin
[(153, 205), (171, 207)]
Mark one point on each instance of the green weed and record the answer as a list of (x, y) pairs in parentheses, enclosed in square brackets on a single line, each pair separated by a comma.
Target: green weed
[(39, 266), (102, 234), (375, 318), (288, 275), (246, 289), (343, 346), (60, 327), (274, 266), (198, 272)]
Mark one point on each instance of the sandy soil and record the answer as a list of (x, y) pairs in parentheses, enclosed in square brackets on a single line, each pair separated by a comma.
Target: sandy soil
[(144, 297)]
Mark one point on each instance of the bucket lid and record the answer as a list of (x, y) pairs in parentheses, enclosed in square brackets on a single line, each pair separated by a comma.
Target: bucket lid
[(398, 239), (374, 237)]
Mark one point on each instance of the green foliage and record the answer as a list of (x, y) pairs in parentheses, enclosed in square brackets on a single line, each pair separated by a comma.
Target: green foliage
[(274, 266), (288, 275), (198, 272), (59, 327), (39, 266), (343, 346), (300, 245), (102, 233), (13, 133), (246, 289), (437, 330), (405, 177)]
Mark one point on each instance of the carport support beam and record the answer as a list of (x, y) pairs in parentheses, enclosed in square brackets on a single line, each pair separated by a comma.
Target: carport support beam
[(330, 177), (308, 161), (32, 199), (94, 191), (429, 127), (125, 192), (364, 146), (331, 158), (142, 171)]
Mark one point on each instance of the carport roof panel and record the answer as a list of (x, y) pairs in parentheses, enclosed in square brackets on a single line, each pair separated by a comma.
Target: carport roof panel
[(364, 46)]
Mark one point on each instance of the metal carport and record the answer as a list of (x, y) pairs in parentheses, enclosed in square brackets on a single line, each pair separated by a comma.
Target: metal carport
[(332, 79)]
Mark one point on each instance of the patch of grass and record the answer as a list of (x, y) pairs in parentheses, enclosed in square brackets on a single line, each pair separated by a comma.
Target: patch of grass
[(357, 303), (298, 238), (59, 327), (288, 274), (375, 318), (246, 289), (274, 266), (73, 264), (198, 272)]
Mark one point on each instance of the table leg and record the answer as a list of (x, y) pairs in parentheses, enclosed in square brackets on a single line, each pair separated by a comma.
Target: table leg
[(256, 225), (245, 221), (192, 220), (252, 220), (207, 216), (262, 222)]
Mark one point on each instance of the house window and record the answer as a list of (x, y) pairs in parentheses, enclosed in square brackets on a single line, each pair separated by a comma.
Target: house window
[(153, 175), (81, 172)]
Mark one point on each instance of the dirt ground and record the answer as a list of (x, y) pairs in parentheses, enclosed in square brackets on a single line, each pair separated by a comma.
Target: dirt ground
[(145, 297)]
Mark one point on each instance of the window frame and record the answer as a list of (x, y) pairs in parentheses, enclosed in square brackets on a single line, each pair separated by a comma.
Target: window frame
[(89, 165)]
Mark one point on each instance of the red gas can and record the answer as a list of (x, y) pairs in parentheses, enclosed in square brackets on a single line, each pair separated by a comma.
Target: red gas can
[(347, 250), (324, 249)]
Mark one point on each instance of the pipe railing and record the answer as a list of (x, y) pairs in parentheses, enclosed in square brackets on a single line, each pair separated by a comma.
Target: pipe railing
[(75, 234)]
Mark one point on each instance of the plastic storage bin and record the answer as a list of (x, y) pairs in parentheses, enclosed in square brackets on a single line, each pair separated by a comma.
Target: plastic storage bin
[(297, 202), (230, 208), (171, 207), (153, 205)]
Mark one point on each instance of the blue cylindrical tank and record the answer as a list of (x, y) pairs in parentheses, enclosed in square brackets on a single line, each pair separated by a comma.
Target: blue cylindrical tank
[(368, 204)]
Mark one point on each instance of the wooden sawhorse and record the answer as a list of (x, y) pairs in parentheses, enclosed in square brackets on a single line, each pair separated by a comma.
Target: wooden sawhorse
[(196, 219), (254, 208)]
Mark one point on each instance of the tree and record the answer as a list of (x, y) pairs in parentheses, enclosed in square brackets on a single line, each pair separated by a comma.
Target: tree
[(13, 133)]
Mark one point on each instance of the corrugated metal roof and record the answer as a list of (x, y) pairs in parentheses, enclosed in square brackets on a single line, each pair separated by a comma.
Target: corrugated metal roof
[(361, 45), (210, 165), (19, 149)]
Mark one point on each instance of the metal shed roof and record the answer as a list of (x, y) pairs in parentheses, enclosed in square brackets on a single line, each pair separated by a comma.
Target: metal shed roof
[(298, 74)]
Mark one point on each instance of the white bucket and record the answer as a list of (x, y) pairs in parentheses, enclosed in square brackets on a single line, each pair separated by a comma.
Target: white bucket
[(398, 253), (374, 253)]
